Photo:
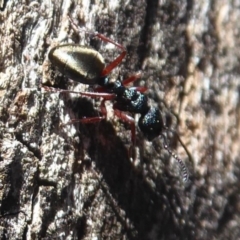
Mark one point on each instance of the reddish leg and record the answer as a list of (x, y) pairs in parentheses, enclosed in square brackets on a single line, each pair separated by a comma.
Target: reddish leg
[(130, 120), (92, 119), (113, 64), (126, 82), (103, 89), (106, 96), (132, 78), (88, 120), (84, 120), (103, 108), (116, 61), (99, 89), (140, 89)]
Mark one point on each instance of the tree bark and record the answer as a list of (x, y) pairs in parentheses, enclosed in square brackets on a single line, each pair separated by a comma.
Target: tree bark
[(76, 181)]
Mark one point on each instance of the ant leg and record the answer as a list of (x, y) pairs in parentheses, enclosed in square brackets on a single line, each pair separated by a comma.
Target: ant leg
[(88, 120), (130, 120), (103, 108), (106, 96), (126, 82), (95, 34), (117, 60), (132, 78), (140, 89), (99, 89), (84, 120), (103, 89), (59, 90), (92, 119)]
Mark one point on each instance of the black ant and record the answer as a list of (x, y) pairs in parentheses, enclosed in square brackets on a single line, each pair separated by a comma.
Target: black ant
[(86, 65)]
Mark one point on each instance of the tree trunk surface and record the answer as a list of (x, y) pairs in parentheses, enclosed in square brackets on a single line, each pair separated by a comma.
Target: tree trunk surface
[(77, 181)]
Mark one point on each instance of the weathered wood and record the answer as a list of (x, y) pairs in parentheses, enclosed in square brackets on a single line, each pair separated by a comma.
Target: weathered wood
[(76, 181)]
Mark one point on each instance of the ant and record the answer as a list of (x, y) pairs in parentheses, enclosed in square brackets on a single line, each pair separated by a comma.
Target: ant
[(85, 65)]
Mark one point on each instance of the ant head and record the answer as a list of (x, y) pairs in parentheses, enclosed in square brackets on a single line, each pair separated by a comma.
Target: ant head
[(151, 123)]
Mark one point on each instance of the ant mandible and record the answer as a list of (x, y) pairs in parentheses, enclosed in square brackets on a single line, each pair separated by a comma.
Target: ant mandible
[(86, 65)]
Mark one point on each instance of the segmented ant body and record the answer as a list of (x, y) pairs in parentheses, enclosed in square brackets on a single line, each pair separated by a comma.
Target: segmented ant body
[(85, 65)]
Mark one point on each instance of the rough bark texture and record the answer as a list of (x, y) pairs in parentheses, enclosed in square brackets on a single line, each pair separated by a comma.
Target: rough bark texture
[(77, 181)]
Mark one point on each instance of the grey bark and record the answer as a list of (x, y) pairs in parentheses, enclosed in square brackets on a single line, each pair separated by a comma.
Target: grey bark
[(76, 181)]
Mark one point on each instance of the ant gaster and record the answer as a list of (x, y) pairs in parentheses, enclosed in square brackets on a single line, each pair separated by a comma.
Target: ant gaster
[(85, 65)]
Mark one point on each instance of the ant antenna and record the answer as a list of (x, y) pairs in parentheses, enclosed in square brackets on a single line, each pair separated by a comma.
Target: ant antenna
[(181, 163)]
